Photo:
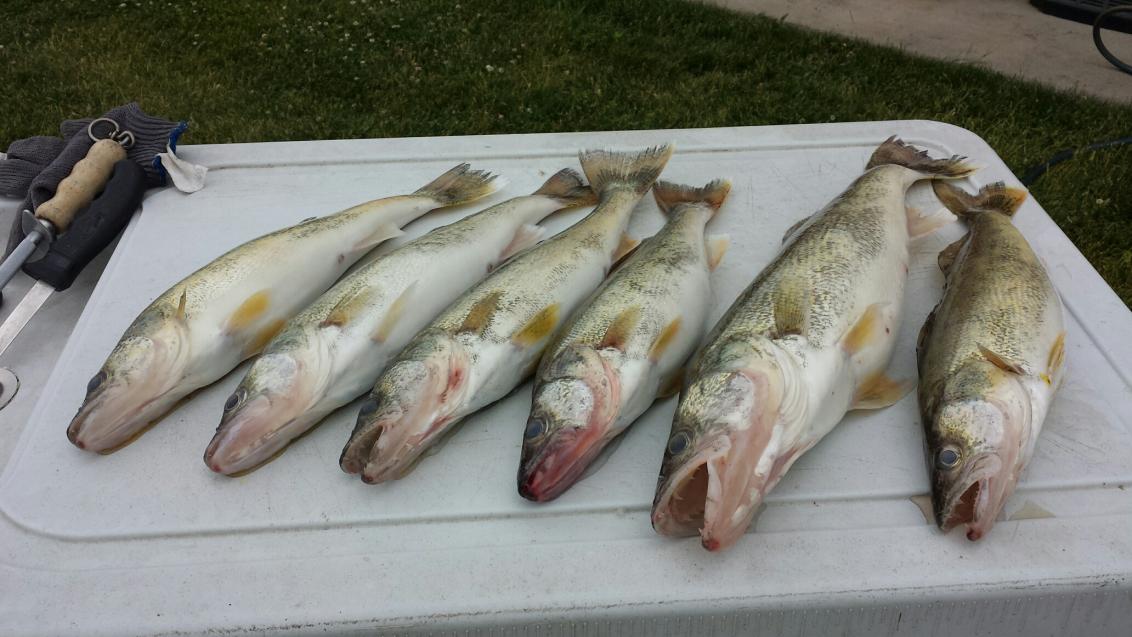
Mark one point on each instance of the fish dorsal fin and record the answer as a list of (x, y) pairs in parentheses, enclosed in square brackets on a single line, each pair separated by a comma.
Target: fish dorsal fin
[(867, 330), (251, 310), (538, 327), (948, 255), (181, 303), (717, 245), (921, 225), (925, 333), (794, 228), (1001, 362), (664, 339), (617, 335), (383, 233), (479, 317), (791, 306), (879, 390), (348, 307), (393, 314), (625, 248), (526, 236)]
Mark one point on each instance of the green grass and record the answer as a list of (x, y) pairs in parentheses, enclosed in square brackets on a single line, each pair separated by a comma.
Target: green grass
[(357, 68)]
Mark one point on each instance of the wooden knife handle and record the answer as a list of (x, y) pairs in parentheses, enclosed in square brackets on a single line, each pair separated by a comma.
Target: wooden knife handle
[(79, 188)]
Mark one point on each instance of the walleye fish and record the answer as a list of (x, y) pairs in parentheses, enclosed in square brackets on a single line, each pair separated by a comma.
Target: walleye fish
[(489, 340), (333, 351), (225, 312), (990, 358), (625, 347), (807, 341)]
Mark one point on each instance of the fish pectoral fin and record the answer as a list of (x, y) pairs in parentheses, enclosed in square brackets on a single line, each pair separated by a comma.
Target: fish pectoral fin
[(947, 256), (393, 314), (1056, 355), (625, 248), (794, 228), (348, 307), (251, 310), (383, 233), (717, 245), (791, 307), (868, 329), (479, 317), (921, 225), (264, 336), (525, 237), (1000, 362), (538, 327), (664, 339), (879, 391), (618, 332)]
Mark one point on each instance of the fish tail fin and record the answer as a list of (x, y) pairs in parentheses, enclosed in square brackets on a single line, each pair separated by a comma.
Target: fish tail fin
[(461, 185), (996, 197), (895, 151), (669, 195), (606, 169), (568, 187)]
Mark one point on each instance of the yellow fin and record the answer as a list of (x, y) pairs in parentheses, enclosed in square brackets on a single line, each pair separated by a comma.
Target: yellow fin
[(791, 306), (1001, 362), (879, 391), (1056, 354), (264, 336), (621, 328), (180, 315), (539, 327), (479, 316), (1030, 511), (866, 330), (717, 245), (393, 314), (347, 308), (249, 311), (664, 339), (625, 247)]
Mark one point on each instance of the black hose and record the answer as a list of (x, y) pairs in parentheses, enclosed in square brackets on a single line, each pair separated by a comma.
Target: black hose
[(1034, 172), (1097, 25)]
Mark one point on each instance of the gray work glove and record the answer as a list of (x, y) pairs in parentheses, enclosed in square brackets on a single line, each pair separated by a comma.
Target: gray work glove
[(151, 135)]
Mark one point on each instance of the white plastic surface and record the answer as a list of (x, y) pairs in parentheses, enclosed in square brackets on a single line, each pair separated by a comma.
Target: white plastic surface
[(148, 540)]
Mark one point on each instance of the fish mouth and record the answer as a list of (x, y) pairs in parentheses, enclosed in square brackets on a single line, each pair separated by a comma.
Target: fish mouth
[(975, 500), (398, 442), (250, 437), (560, 463), (715, 496), (88, 431)]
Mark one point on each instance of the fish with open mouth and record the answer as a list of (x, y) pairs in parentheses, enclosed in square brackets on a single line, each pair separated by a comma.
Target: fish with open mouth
[(333, 351), (990, 359), (625, 347), (225, 312), (488, 341), (807, 341)]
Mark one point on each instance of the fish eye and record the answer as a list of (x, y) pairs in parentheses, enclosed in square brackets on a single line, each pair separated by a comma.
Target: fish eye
[(96, 382), (535, 428), (678, 443), (947, 458), (235, 399)]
